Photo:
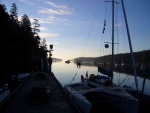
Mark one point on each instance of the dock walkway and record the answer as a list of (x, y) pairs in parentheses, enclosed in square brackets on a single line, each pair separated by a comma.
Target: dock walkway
[(26, 101)]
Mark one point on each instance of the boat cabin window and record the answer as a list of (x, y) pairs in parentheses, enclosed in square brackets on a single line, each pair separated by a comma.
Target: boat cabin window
[(91, 85)]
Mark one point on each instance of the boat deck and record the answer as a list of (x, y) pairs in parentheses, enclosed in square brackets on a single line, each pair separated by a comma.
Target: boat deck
[(25, 100)]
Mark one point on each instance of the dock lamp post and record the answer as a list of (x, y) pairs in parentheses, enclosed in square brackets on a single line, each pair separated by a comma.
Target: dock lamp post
[(50, 58)]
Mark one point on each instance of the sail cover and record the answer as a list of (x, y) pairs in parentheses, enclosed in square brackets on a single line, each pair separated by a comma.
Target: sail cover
[(105, 72)]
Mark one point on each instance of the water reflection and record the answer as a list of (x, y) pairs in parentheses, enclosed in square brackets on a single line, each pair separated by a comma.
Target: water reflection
[(123, 75)]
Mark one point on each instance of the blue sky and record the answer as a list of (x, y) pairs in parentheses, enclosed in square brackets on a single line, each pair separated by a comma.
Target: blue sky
[(74, 27)]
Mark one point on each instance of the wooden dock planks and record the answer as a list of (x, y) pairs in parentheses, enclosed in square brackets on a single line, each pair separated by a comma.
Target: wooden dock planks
[(26, 100)]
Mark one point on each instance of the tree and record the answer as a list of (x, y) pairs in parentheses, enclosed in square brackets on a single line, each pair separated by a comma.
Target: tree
[(36, 26), (18, 44), (37, 40), (25, 23), (43, 44), (4, 7), (36, 29), (14, 13), (43, 48), (4, 27)]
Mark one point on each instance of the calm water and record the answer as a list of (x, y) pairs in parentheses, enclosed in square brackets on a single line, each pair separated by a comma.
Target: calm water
[(66, 72)]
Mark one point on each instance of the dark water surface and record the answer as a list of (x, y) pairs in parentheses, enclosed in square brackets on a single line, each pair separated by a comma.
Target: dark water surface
[(66, 72)]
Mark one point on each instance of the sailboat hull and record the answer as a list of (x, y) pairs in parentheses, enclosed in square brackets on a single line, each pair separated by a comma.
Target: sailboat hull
[(109, 102), (4, 95), (91, 100), (78, 100)]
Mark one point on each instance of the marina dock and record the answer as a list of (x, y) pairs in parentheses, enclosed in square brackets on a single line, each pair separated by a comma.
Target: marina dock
[(27, 100), (41, 92)]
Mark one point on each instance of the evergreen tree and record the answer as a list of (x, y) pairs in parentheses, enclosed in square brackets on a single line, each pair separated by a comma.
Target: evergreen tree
[(36, 29), (21, 42), (14, 13), (4, 28), (25, 23), (4, 7), (43, 44), (36, 26), (43, 48)]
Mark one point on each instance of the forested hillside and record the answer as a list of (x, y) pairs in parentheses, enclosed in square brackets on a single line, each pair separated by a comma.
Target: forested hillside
[(20, 43), (141, 57), (56, 59)]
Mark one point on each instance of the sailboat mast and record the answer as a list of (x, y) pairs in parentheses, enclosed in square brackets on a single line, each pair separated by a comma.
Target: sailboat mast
[(112, 64), (130, 45)]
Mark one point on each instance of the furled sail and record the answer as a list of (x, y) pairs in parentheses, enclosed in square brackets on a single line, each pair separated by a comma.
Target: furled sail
[(105, 72)]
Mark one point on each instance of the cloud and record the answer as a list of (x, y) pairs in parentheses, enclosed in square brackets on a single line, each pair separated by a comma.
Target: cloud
[(27, 2), (48, 35), (43, 29), (53, 12), (57, 6), (49, 19), (57, 11)]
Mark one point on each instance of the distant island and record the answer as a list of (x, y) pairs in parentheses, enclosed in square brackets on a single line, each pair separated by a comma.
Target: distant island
[(141, 57), (56, 59)]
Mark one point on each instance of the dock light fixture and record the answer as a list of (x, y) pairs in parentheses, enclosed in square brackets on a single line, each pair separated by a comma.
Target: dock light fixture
[(51, 46)]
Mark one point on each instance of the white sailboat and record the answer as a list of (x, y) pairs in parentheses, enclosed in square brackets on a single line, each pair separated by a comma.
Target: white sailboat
[(98, 92)]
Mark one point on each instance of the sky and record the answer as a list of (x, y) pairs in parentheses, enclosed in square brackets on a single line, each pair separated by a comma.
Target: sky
[(74, 27)]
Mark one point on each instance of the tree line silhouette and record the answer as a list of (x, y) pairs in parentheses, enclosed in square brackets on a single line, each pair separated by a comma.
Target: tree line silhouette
[(20, 43), (141, 58)]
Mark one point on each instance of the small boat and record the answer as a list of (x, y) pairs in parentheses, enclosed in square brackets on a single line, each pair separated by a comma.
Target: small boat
[(94, 63), (20, 76), (4, 92), (67, 61)]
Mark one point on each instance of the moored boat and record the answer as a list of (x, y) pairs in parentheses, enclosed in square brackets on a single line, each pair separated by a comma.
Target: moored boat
[(98, 92)]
